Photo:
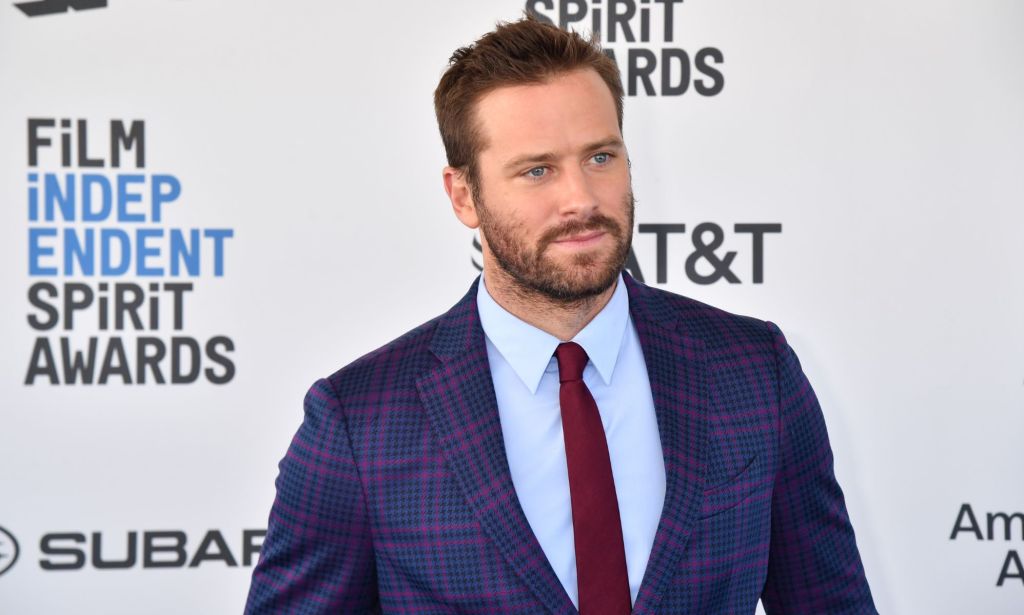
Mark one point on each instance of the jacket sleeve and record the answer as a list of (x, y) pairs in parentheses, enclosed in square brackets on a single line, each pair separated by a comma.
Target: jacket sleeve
[(317, 556), (813, 563)]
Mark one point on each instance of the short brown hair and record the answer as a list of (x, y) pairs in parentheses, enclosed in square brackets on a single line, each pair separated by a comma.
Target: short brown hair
[(527, 51)]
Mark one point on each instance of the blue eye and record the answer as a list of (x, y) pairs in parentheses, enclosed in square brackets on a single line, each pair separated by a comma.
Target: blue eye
[(601, 158), (537, 172)]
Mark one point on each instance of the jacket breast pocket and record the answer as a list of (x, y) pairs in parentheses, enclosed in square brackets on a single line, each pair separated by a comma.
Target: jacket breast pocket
[(722, 497)]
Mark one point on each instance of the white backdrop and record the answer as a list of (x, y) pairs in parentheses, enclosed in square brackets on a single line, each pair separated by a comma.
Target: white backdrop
[(886, 138)]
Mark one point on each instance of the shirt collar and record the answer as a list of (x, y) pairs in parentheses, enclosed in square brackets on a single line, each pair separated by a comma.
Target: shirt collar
[(529, 350)]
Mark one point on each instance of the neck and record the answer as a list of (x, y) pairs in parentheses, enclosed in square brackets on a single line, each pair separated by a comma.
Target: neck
[(562, 319)]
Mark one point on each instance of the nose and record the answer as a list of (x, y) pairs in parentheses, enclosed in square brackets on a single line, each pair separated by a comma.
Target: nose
[(579, 197)]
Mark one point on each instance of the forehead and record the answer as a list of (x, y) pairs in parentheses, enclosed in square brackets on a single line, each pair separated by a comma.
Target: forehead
[(558, 115)]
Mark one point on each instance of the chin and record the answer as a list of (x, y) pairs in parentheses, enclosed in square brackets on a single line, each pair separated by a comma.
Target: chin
[(576, 284)]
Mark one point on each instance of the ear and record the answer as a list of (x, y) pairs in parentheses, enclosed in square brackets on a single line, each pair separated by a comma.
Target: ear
[(461, 196)]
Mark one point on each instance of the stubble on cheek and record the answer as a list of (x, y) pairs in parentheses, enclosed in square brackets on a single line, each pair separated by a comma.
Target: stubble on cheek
[(528, 263)]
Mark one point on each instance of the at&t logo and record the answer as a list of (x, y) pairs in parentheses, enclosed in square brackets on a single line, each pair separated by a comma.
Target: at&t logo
[(49, 7)]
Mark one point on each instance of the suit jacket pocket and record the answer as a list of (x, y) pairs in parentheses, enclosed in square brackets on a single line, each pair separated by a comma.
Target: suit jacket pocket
[(730, 494)]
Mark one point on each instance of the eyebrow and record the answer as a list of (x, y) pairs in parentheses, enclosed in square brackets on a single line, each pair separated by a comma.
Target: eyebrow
[(610, 142)]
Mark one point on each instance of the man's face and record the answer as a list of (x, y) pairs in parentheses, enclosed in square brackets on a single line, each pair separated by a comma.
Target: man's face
[(553, 199)]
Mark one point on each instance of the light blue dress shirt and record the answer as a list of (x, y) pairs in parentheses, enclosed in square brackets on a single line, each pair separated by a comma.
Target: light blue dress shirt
[(525, 375)]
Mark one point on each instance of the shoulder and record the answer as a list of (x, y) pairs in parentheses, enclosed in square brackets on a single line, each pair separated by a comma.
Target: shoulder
[(396, 365), (393, 365), (712, 327)]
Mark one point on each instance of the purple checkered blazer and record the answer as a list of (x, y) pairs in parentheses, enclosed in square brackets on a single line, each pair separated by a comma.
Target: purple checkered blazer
[(395, 494)]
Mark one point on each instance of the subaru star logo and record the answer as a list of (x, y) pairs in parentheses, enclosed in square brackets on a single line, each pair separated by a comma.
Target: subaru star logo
[(8, 550)]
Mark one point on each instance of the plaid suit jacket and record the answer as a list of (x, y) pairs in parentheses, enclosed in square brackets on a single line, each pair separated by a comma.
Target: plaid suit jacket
[(395, 495)]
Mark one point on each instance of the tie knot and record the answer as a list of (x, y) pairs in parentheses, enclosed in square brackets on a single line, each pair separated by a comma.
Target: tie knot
[(571, 361)]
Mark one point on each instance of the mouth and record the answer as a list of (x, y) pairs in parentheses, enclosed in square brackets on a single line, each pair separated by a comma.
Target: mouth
[(581, 240)]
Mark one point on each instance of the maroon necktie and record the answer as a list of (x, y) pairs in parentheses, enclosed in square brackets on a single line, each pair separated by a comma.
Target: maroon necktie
[(600, 555)]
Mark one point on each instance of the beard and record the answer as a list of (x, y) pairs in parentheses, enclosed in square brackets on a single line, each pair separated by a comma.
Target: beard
[(535, 272)]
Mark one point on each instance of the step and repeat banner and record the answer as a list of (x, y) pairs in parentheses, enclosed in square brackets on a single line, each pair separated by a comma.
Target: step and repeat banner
[(205, 206)]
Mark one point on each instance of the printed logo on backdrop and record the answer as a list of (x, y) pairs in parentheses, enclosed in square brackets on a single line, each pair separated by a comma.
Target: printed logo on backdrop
[(998, 527), (703, 258), (147, 549), (39, 8), (8, 550), (110, 277), (641, 36), (64, 551)]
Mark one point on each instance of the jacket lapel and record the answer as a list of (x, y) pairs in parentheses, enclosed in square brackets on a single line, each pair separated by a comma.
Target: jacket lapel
[(676, 367), (459, 398)]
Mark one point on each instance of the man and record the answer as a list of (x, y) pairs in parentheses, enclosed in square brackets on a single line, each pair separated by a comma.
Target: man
[(564, 437)]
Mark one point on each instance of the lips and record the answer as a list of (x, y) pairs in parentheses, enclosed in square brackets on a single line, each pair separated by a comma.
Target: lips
[(581, 238), (580, 233)]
